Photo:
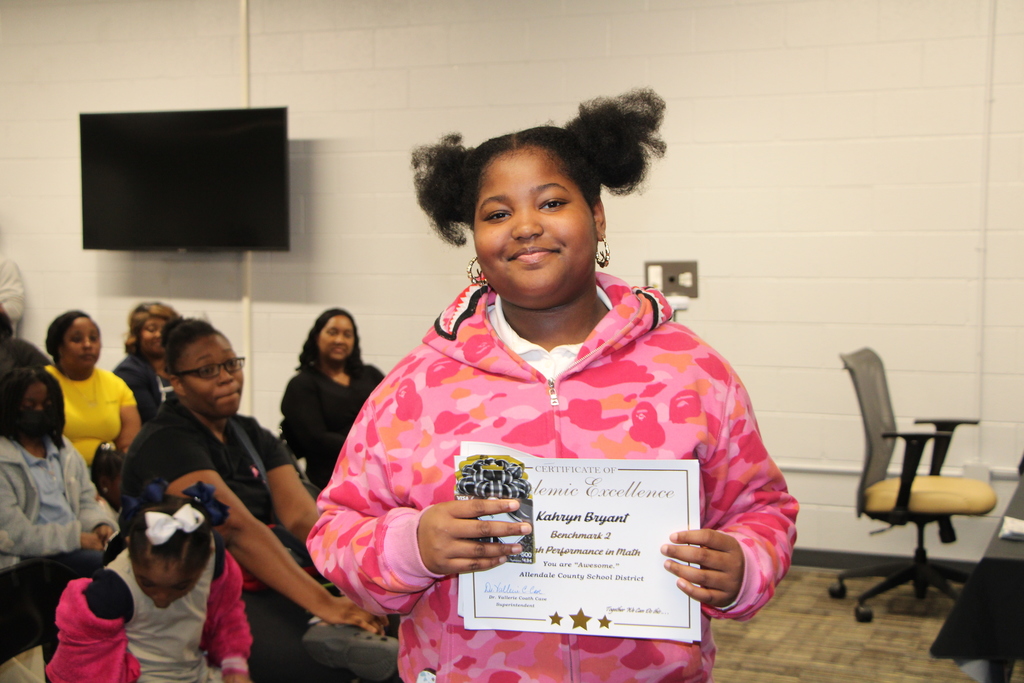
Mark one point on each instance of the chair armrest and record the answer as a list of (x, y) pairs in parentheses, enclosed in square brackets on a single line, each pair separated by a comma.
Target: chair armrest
[(942, 445), (915, 443), (945, 424)]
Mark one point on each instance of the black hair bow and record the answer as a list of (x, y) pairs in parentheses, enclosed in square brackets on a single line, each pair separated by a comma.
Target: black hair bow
[(202, 493), (152, 493)]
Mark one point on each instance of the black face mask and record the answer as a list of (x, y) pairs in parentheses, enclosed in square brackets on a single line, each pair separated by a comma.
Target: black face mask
[(34, 423)]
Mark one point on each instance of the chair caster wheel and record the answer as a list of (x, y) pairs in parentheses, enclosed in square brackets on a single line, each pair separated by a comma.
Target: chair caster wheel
[(863, 613), (837, 590)]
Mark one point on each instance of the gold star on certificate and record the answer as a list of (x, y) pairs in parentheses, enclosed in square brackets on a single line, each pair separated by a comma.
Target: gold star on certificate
[(605, 622), (555, 619), (579, 620)]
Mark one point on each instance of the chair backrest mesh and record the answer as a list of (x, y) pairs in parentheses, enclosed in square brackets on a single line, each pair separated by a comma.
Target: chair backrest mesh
[(868, 375)]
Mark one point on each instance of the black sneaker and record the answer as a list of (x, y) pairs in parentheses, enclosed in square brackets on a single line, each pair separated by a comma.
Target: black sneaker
[(343, 646)]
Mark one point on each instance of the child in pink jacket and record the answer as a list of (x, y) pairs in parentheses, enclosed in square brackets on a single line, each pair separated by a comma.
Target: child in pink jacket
[(168, 608), (544, 355)]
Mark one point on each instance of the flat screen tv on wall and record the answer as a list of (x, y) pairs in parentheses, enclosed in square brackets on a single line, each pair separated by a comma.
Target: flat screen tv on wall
[(185, 180)]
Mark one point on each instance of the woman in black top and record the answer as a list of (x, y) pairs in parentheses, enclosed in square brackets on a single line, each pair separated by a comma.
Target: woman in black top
[(323, 399), (198, 435)]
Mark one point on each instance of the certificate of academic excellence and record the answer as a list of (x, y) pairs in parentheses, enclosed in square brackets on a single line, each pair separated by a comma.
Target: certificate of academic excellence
[(593, 564)]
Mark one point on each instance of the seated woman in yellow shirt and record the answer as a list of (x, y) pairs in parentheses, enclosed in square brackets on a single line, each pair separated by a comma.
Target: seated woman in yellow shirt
[(98, 405)]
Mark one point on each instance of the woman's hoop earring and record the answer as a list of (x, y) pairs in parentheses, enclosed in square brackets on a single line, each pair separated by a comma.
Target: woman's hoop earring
[(475, 272), (604, 255)]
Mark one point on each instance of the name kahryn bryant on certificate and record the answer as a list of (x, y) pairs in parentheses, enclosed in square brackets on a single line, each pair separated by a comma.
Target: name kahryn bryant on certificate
[(593, 563)]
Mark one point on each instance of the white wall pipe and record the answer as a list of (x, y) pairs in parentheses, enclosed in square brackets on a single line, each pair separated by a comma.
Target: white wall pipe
[(247, 345), (983, 218)]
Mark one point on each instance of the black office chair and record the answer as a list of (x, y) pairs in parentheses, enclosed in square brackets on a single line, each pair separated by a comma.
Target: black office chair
[(908, 498), (29, 593)]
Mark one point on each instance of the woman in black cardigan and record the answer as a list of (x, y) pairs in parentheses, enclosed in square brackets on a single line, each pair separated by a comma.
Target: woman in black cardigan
[(323, 399)]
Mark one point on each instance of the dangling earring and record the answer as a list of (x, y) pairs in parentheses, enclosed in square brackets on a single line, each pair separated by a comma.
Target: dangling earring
[(475, 272), (604, 255)]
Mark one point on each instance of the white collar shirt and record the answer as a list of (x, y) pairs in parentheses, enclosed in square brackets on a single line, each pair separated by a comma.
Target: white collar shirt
[(548, 363)]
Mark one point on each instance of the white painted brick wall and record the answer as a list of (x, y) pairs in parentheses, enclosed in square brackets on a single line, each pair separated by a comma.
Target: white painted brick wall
[(825, 167)]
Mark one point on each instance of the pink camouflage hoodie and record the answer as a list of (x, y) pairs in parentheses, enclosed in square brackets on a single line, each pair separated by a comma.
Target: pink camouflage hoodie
[(642, 387)]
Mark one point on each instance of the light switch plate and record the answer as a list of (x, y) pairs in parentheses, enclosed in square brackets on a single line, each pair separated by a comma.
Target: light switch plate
[(673, 277)]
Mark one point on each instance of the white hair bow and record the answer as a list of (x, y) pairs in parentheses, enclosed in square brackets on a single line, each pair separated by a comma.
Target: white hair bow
[(160, 526)]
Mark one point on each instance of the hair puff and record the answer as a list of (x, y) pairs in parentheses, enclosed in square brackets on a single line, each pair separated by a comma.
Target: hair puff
[(611, 142), (440, 186), (619, 136)]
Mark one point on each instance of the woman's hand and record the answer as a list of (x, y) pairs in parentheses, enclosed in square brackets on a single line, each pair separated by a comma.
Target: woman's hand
[(234, 677), (449, 534), (90, 541), (343, 611), (718, 576), (104, 532)]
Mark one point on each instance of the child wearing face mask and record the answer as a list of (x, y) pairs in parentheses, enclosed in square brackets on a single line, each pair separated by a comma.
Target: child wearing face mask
[(168, 608), (48, 504)]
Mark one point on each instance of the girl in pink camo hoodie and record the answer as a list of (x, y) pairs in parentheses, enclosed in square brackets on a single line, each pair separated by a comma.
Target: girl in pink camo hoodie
[(544, 355)]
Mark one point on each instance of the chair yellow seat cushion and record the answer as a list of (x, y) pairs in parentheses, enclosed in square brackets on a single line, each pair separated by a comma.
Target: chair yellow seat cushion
[(933, 495)]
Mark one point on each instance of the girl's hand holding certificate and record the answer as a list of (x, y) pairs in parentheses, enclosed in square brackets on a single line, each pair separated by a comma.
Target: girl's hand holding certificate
[(717, 574), (449, 535), (591, 560)]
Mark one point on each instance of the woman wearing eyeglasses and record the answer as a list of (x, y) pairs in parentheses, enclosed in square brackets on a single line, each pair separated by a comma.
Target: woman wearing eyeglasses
[(143, 369), (98, 406), (198, 435)]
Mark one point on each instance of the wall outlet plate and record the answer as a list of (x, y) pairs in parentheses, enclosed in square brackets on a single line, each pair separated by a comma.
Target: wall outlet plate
[(673, 277)]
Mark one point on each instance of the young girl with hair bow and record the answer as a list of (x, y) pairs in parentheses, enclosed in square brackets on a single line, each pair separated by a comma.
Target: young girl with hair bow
[(167, 608)]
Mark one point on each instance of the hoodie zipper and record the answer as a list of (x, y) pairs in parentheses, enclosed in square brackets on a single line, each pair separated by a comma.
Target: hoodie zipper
[(551, 391), (551, 380)]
